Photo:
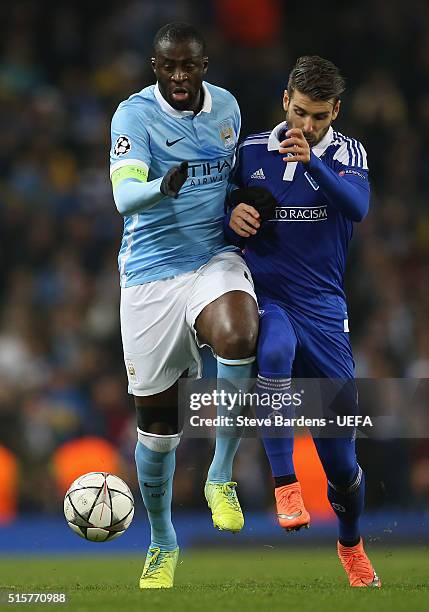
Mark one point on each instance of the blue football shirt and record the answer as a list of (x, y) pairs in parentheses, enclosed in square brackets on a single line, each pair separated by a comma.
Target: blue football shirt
[(149, 137), (298, 257)]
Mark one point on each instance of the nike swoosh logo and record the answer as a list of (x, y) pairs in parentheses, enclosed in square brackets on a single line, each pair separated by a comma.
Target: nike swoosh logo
[(155, 486), (173, 142), (289, 517)]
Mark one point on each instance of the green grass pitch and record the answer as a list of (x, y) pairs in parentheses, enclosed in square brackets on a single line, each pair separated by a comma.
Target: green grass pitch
[(263, 580)]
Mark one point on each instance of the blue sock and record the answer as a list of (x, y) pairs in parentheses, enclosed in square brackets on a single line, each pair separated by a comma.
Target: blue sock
[(346, 484), (278, 442), (348, 504), (156, 459), (227, 441)]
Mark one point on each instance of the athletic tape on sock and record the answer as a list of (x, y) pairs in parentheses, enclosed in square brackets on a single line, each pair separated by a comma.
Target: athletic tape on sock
[(235, 362), (274, 384), (158, 443)]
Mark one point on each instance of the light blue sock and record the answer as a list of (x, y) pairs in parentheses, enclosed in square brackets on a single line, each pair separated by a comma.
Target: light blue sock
[(227, 441), (156, 460)]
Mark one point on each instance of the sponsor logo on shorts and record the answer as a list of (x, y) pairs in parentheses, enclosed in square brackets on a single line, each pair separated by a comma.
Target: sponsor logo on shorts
[(301, 213), (131, 369)]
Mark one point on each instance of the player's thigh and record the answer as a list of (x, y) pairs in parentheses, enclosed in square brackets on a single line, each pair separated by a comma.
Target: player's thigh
[(277, 341), (222, 309), (158, 345), (323, 353), (326, 357)]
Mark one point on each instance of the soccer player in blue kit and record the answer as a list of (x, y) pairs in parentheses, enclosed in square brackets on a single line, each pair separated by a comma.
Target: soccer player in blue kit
[(182, 284), (314, 186)]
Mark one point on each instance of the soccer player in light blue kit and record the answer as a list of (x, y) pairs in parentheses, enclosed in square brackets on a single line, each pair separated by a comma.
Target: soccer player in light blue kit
[(300, 189), (173, 146)]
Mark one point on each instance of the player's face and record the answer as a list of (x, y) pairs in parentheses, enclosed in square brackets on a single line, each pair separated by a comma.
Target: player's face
[(313, 117), (180, 69)]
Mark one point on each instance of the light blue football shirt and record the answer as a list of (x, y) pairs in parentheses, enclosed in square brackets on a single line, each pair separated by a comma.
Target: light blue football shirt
[(149, 137)]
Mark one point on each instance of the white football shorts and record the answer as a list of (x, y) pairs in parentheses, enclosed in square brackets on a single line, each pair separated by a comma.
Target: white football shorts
[(157, 321)]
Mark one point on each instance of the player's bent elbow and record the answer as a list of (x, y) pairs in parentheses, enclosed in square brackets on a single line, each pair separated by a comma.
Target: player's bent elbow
[(360, 214), (121, 206)]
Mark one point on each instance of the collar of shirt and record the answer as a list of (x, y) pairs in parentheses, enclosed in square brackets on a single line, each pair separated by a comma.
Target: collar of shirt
[(165, 106), (278, 134)]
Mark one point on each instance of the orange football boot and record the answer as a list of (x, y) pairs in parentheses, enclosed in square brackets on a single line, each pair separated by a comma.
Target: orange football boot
[(291, 512), (357, 565)]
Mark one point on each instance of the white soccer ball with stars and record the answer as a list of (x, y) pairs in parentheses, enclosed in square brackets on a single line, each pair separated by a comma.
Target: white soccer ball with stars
[(99, 506)]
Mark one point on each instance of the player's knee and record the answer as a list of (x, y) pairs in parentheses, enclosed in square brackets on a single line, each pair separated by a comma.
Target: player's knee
[(157, 420), (237, 343), (276, 360), (347, 483), (341, 471)]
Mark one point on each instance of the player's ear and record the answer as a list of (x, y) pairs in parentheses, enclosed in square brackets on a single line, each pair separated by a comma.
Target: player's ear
[(153, 64), (205, 64), (336, 109), (285, 100)]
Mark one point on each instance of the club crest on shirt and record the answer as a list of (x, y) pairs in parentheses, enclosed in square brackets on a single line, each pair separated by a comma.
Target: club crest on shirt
[(227, 134), (122, 145)]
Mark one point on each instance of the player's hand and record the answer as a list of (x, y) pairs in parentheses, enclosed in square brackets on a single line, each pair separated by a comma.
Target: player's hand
[(173, 181), (295, 147), (259, 198), (245, 220)]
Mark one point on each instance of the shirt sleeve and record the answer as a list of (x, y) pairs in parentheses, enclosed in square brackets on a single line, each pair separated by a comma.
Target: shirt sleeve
[(345, 181), (235, 181), (130, 159), (130, 140), (237, 120)]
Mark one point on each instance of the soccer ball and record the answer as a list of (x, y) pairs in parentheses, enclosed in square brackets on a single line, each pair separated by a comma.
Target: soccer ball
[(99, 506)]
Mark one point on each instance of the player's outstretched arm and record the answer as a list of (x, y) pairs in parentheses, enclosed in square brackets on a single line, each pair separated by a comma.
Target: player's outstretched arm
[(133, 193)]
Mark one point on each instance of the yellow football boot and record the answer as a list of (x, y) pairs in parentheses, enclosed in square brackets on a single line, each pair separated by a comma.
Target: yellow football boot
[(223, 502), (159, 567)]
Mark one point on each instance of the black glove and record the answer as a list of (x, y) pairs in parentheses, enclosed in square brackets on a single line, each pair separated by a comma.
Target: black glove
[(173, 181), (258, 197)]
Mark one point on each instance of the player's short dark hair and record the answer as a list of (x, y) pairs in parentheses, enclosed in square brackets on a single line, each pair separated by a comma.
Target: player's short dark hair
[(179, 32), (317, 78)]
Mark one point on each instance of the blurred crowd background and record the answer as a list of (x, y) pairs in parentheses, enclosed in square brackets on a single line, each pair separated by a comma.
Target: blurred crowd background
[(64, 68)]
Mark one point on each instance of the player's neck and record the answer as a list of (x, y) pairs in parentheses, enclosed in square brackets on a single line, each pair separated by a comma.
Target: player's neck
[(199, 102)]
